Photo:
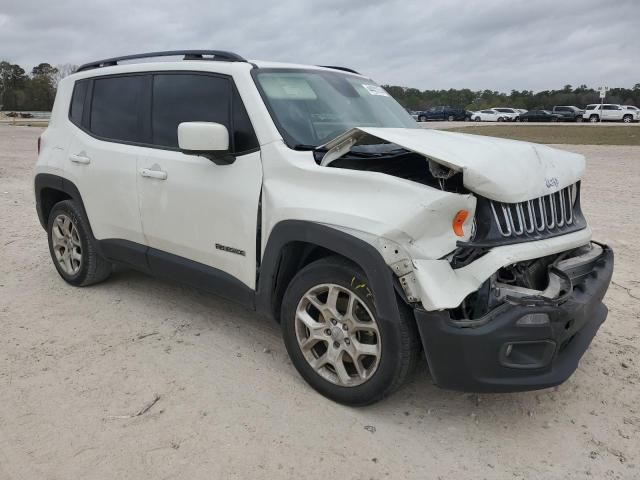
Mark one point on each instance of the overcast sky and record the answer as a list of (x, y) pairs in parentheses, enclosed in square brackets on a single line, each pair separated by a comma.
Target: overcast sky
[(496, 44)]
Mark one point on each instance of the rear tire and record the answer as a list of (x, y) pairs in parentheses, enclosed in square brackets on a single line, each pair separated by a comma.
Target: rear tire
[(329, 320), (450, 118), (500, 119), (578, 119), (72, 247), (422, 118)]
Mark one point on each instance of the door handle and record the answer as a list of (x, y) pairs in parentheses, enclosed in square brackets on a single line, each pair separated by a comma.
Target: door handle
[(80, 159), (158, 174)]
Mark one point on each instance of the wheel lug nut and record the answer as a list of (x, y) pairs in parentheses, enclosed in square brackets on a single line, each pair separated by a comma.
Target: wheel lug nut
[(347, 341), (336, 345), (327, 332), (345, 327), (334, 321)]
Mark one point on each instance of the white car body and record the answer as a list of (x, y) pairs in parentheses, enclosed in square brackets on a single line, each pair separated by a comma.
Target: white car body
[(511, 113), (226, 217), (177, 220), (489, 115), (633, 110), (609, 112)]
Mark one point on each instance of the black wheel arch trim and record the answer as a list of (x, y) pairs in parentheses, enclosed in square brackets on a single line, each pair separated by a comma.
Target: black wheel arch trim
[(379, 275), (43, 181)]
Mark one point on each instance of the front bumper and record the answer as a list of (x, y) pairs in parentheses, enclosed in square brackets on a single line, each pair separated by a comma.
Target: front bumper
[(502, 356)]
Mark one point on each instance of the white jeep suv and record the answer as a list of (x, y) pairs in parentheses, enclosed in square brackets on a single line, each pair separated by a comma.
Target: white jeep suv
[(310, 196)]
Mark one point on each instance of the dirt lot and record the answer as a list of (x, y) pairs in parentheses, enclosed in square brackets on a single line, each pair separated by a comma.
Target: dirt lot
[(77, 365)]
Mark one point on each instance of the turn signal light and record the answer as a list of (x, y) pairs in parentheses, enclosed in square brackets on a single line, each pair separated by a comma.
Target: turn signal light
[(458, 220)]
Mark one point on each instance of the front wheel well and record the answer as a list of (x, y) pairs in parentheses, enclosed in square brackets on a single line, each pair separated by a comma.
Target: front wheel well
[(294, 256)]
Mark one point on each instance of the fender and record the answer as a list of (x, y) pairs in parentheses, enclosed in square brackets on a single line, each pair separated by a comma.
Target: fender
[(363, 254), (55, 182)]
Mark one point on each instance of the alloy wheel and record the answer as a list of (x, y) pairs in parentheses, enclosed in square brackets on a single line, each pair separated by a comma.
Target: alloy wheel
[(338, 335), (67, 246)]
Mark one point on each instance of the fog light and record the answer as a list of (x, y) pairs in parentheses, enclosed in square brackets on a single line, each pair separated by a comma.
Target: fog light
[(533, 319)]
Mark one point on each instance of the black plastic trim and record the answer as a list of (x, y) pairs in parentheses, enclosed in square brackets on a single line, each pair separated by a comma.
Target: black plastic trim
[(182, 270), (55, 182), (472, 359), (361, 253)]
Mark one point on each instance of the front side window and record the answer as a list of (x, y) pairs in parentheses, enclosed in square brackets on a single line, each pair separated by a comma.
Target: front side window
[(116, 107), (181, 98), (311, 107)]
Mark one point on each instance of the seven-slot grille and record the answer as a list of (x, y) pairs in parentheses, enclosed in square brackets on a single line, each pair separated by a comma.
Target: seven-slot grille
[(547, 213)]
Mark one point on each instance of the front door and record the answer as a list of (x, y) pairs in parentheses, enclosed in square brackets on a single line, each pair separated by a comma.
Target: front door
[(192, 208), (101, 159)]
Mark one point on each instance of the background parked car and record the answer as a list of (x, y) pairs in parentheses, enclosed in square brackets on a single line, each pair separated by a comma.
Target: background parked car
[(569, 113), (443, 112), (511, 113), (634, 110), (609, 112), (540, 116), (489, 115)]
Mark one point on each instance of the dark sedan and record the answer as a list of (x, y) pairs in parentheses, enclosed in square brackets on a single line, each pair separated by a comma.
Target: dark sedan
[(539, 116)]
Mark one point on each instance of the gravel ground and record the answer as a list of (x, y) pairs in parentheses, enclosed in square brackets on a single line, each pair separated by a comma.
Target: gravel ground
[(79, 367)]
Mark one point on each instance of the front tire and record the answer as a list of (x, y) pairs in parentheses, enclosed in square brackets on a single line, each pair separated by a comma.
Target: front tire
[(594, 119), (422, 118), (627, 119), (336, 340), (72, 247)]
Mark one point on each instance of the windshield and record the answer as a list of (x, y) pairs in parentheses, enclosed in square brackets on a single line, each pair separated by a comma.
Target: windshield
[(311, 107)]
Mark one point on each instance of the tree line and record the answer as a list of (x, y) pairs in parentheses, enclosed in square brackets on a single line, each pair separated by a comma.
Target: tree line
[(414, 99), (36, 90)]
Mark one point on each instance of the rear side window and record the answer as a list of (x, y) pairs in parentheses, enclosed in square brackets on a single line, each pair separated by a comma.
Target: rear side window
[(77, 101), (116, 108), (181, 98)]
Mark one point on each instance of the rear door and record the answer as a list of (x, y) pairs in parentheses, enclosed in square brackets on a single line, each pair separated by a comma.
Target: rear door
[(611, 112), (102, 156), (193, 209)]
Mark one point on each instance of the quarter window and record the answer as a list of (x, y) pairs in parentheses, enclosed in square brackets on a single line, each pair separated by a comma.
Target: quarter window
[(77, 101), (116, 106)]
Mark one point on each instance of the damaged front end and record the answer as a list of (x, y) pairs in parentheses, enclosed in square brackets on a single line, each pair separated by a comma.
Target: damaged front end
[(525, 328), (512, 303)]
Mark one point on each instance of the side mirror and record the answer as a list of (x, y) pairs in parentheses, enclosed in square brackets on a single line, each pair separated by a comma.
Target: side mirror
[(208, 139)]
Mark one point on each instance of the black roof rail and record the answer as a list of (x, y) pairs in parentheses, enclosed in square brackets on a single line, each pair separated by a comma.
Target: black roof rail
[(218, 55), (344, 69)]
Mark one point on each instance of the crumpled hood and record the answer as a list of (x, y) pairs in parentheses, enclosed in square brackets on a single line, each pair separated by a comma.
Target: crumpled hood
[(508, 171)]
